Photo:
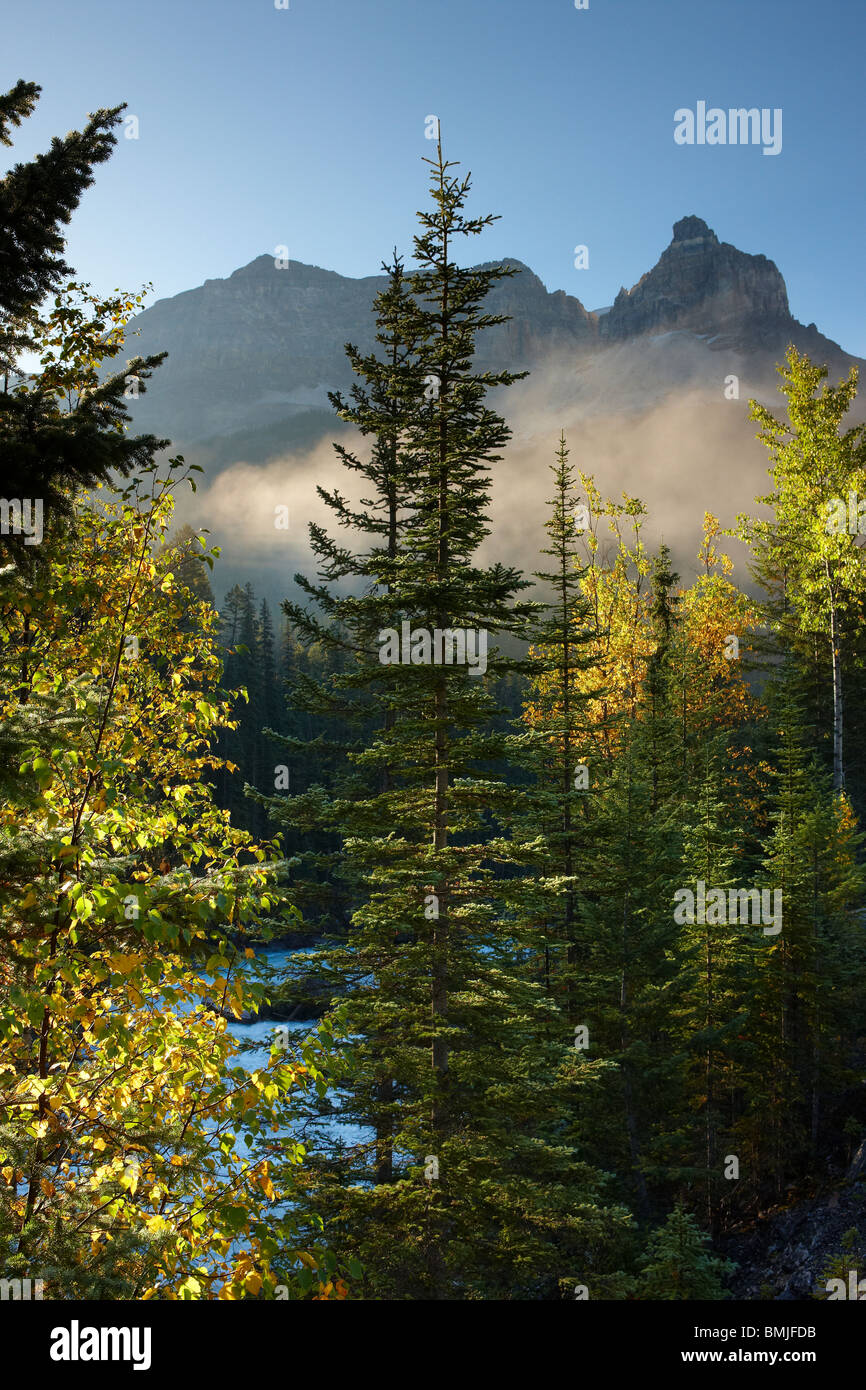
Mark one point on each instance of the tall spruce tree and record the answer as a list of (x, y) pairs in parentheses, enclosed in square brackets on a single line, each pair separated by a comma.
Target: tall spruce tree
[(459, 1180), (556, 748), (716, 952)]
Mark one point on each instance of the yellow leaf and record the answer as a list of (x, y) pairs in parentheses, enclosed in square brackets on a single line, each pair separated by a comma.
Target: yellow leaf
[(123, 964)]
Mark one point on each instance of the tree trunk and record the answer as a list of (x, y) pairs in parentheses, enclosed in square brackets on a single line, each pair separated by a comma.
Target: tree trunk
[(836, 658)]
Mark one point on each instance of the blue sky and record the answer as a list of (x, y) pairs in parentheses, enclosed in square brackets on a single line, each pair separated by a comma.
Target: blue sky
[(304, 127)]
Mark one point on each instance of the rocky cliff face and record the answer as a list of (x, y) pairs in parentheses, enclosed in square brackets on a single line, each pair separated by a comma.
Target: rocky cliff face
[(540, 322), (259, 345), (704, 286)]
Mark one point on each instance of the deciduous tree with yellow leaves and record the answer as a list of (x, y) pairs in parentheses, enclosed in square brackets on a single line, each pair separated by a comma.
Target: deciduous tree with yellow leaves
[(131, 1158)]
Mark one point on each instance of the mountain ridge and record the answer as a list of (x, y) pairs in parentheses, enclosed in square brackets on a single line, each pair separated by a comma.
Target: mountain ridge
[(252, 356)]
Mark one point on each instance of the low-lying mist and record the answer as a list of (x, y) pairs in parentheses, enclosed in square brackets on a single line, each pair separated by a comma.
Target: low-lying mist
[(653, 423)]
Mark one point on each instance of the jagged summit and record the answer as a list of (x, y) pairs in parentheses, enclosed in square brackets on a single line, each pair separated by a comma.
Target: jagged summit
[(694, 229)]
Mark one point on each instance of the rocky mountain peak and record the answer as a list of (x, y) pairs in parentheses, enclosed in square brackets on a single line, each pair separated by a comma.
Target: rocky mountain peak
[(704, 286)]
